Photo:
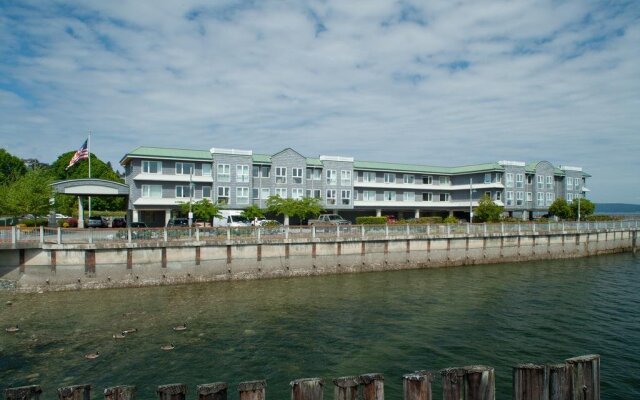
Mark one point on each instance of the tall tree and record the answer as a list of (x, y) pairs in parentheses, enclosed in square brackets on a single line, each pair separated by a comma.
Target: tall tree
[(586, 207), (29, 194), (252, 212), (488, 211), (301, 208), (11, 167), (560, 208), (203, 210)]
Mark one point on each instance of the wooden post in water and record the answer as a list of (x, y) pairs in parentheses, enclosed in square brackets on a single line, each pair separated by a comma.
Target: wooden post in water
[(307, 389), (475, 382), (346, 388), (212, 391), (558, 382), (252, 390), (530, 382), (120, 393), (372, 386), (417, 386), (32, 392), (76, 392), (174, 391), (584, 372)]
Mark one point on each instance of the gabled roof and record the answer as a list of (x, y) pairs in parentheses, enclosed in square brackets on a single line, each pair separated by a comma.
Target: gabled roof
[(285, 150), (384, 166), (166, 153)]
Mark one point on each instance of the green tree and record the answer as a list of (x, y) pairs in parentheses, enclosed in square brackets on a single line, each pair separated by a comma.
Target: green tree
[(487, 210), (203, 210), (309, 207), (252, 212), (560, 208), (279, 206), (586, 208), (11, 167), (29, 194)]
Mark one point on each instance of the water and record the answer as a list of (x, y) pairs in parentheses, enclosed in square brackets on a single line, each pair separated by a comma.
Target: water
[(331, 326)]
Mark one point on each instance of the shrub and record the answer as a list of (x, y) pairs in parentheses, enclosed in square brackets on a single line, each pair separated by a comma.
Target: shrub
[(31, 222), (371, 220), (451, 220), (595, 218), (511, 220)]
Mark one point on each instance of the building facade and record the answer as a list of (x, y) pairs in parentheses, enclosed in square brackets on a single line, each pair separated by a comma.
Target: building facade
[(161, 179)]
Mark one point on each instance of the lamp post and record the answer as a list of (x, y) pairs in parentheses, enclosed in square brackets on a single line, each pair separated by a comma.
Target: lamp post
[(471, 200), (190, 197), (579, 197)]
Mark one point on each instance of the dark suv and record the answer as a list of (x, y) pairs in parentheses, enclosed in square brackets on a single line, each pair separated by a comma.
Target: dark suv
[(180, 222), (96, 221), (119, 223)]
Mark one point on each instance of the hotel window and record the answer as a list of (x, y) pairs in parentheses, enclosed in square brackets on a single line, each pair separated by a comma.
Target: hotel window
[(549, 182), (509, 179), (529, 197), (369, 195), (256, 171), (487, 178), (549, 198), (389, 178), (242, 173), (332, 177), (314, 174), (369, 177), (498, 177), (185, 168), (206, 169), (540, 179), (152, 167), (498, 196), (569, 183), (509, 198), (389, 196), (281, 175), (183, 191), (282, 192), (242, 194), (345, 178), (410, 179), (265, 171), (345, 195), (152, 191), (255, 193), (487, 195), (223, 194), (445, 180), (540, 198), (519, 181), (265, 193), (444, 196), (313, 193), (427, 196), (296, 175), (529, 179), (297, 193), (331, 196), (224, 173), (409, 196), (569, 197), (206, 192), (427, 180), (519, 198), (577, 183)]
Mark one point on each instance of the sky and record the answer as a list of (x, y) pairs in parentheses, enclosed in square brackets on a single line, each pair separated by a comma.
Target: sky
[(441, 83)]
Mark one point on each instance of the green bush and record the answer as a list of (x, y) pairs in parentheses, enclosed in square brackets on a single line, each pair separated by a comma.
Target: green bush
[(371, 220), (31, 222), (451, 220), (595, 218)]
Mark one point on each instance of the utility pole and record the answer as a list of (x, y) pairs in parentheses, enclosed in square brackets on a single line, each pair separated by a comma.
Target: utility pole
[(190, 197), (471, 200)]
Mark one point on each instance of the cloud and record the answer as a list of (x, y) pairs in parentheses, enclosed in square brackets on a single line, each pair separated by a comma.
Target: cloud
[(442, 83)]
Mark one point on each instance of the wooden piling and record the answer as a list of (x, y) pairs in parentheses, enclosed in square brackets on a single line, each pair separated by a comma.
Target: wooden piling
[(372, 386), (530, 382), (584, 373), (212, 391), (32, 392), (120, 393), (76, 392), (174, 391), (307, 389), (559, 382), (475, 382), (252, 390), (346, 388), (417, 386)]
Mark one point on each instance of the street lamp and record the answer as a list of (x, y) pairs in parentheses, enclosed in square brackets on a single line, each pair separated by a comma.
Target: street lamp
[(190, 197), (471, 200)]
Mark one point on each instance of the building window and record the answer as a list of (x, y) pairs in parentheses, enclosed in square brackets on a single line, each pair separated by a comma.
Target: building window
[(498, 196), (152, 167), (409, 196), (410, 179), (529, 179), (223, 194), (569, 197), (508, 179), (540, 198), (519, 198), (282, 192), (265, 193), (487, 195), (206, 169), (265, 171), (345, 178), (444, 196), (242, 195), (427, 180), (314, 174), (549, 182), (540, 180), (313, 193), (345, 195), (389, 178), (206, 192), (184, 168), (427, 196), (569, 183), (255, 193), (331, 196), (183, 191), (487, 178), (297, 193), (368, 176), (152, 191), (529, 197), (332, 177), (519, 181), (577, 183), (242, 173), (255, 171), (498, 177), (296, 175), (445, 180), (549, 198), (224, 173), (509, 198), (389, 195), (281, 175), (369, 195)]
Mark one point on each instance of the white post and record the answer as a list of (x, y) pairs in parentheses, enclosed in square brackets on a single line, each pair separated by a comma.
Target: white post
[(313, 231), (470, 201), (429, 230), (386, 231), (468, 229), (408, 231), (259, 233), (362, 231), (164, 234), (502, 227), (533, 227), (448, 229), (14, 234), (59, 236), (337, 231), (484, 229), (197, 233), (519, 228), (90, 236), (228, 233), (129, 234)]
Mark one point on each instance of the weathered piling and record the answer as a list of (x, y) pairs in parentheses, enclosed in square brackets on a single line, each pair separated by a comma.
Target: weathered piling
[(212, 391), (559, 382), (417, 386), (307, 389), (76, 392), (32, 392), (346, 388), (372, 386), (584, 373), (475, 382), (530, 382), (124, 392), (174, 391), (252, 390)]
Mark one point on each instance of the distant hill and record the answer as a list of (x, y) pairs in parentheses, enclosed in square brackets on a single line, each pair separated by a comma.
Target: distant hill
[(619, 208)]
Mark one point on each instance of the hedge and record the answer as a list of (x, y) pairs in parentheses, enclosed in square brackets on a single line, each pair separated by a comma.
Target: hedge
[(371, 220)]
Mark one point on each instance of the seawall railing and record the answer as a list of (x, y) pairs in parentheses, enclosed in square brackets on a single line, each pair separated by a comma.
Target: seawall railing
[(35, 237), (576, 378)]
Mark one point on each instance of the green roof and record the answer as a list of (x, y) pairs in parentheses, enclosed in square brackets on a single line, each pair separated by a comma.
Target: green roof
[(425, 168), (315, 162), (163, 152), (262, 158)]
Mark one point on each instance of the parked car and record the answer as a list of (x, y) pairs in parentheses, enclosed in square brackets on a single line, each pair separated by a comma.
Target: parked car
[(267, 222), (96, 221), (329, 219), (178, 222), (61, 216), (138, 225), (119, 223)]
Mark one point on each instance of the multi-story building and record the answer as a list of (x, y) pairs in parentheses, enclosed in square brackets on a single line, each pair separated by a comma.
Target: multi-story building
[(160, 179)]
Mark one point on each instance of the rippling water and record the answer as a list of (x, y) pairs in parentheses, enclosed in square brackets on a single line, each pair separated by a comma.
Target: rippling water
[(330, 326)]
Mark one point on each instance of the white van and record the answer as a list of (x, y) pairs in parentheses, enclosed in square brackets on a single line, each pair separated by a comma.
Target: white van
[(231, 218)]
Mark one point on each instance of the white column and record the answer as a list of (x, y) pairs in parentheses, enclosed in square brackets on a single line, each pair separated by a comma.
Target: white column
[(80, 213), (134, 216), (167, 217), (417, 214), (378, 212)]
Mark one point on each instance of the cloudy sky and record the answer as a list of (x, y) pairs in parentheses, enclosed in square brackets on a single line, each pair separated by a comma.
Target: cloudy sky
[(431, 82)]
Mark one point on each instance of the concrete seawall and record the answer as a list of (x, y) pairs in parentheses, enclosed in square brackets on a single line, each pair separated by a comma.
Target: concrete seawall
[(108, 265)]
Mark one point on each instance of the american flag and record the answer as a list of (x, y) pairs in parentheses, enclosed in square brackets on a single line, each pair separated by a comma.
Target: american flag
[(81, 154)]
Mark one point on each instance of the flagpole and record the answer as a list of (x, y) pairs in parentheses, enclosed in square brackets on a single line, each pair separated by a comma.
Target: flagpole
[(89, 151)]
